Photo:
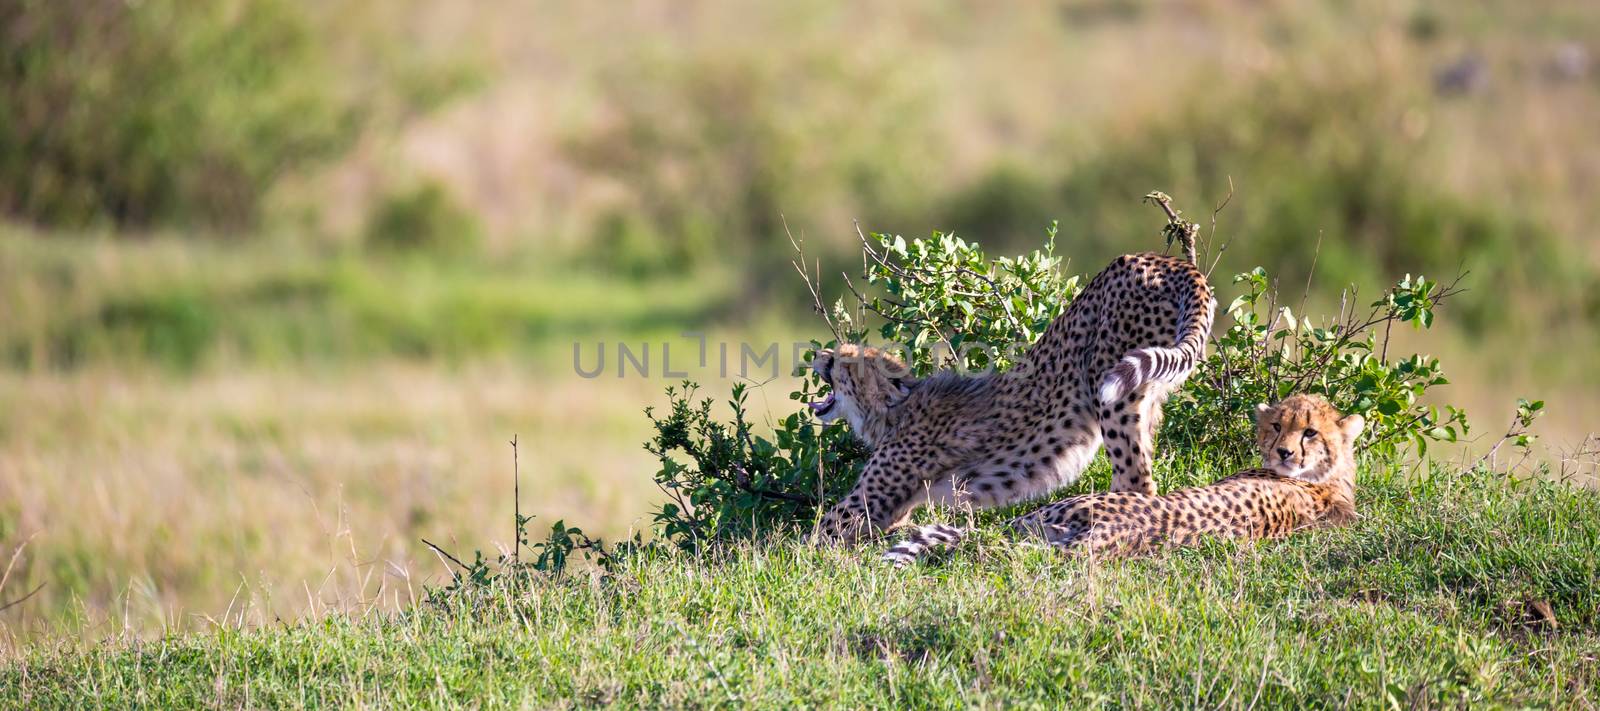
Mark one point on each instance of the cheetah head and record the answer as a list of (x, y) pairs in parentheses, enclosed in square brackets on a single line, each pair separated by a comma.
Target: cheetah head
[(864, 384), (1306, 438)]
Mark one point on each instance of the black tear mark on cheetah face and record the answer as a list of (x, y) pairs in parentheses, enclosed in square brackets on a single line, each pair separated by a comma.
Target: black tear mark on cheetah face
[(1304, 437)]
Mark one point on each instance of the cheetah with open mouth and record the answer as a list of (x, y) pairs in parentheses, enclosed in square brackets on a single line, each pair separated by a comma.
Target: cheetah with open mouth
[(1099, 374)]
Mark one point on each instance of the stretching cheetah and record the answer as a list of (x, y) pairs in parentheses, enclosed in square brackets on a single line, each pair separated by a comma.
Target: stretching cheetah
[(1101, 371), (1308, 479)]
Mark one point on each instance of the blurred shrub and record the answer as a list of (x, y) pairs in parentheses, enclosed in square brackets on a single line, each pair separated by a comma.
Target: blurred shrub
[(627, 243), (426, 217), (175, 328), (1007, 202), (1354, 176), (158, 111)]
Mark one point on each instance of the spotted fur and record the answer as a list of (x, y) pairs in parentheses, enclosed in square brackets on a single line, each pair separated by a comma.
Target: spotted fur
[(994, 440), (1308, 479)]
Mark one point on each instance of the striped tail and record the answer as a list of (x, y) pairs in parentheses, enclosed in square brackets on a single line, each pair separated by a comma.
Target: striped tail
[(1164, 365), (920, 541)]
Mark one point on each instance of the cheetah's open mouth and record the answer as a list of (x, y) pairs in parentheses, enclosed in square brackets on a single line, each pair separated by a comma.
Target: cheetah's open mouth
[(824, 369), (823, 406)]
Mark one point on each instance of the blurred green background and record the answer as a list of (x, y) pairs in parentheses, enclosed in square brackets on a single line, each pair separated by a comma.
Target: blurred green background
[(278, 278)]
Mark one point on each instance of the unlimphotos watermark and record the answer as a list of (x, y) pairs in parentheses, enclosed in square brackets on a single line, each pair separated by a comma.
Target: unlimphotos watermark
[(756, 360)]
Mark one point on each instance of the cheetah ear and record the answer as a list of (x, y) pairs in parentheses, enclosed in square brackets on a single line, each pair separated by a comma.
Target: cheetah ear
[(1261, 410), (1352, 426)]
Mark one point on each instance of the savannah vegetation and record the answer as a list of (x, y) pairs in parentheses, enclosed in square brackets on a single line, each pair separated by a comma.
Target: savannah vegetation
[(279, 281), (1461, 582)]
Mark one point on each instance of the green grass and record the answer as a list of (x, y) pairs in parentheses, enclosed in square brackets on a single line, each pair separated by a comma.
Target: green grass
[(1425, 601), (184, 305)]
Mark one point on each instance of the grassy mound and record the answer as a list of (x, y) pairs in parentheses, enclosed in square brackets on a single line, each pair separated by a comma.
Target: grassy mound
[(1454, 588)]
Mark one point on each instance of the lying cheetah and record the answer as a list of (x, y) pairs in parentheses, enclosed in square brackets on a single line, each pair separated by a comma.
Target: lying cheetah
[(1101, 371), (1308, 479)]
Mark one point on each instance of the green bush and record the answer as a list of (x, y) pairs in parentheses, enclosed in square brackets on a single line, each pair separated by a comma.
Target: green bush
[(952, 305), (724, 482), (1269, 352), (160, 111)]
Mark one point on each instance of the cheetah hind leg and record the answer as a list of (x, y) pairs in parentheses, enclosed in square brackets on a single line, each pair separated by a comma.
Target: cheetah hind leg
[(1129, 427)]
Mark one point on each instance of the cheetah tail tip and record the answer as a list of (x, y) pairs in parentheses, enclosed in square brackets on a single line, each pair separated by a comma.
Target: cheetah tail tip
[(1111, 390), (1122, 379)]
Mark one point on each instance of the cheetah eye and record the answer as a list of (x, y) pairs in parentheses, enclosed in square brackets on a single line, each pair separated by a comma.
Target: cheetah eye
[(1311, 434), (1277, 427)]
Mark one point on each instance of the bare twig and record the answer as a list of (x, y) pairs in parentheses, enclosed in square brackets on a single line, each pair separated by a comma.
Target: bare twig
[(1355, 326), (872, 306), (984, 277), (866, 248), (20, 600), (445, 553), (16, 554), (1211, 238), (1011, 315), (868, 305), (1266, 335), (1310, 274), (1514, 430), (799, 263), (516, 504), (1165, 201), (1388, 328), (1586, 455), (869, 253)]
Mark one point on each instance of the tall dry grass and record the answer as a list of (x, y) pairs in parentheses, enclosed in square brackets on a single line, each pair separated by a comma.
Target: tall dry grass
[(148, 501)]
